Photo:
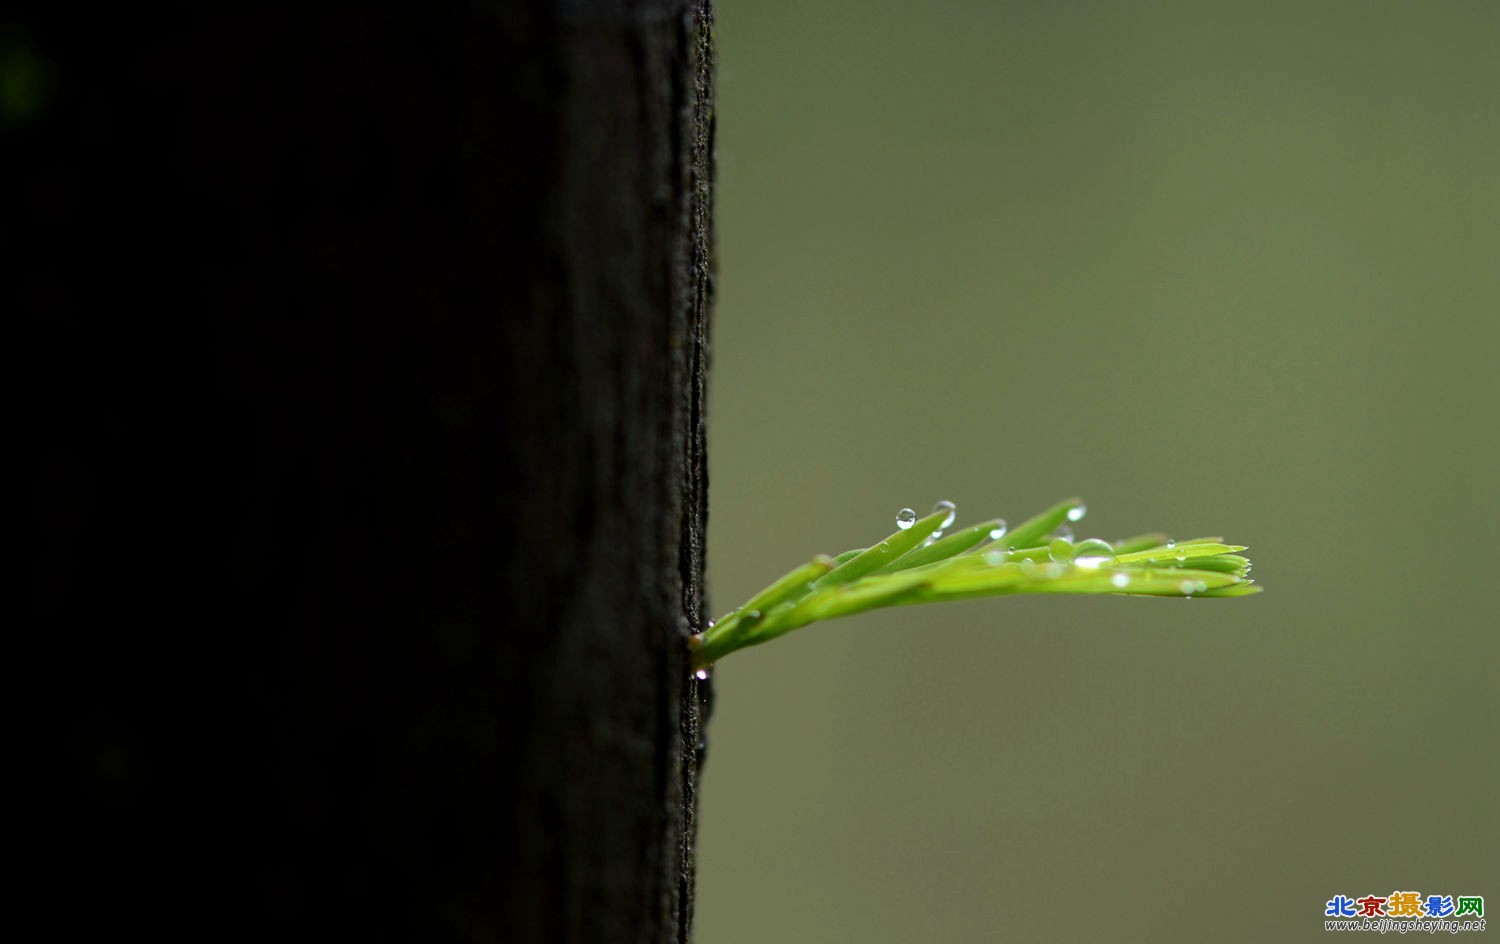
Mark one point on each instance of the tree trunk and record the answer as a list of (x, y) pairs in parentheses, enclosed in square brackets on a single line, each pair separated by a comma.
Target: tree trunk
[(369, 352)]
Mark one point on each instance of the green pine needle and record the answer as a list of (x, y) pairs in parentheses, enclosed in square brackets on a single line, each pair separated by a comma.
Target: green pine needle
[(918, 564)]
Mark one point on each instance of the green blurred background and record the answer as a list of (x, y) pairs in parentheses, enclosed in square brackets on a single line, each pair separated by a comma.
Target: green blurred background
[(1219, 269)]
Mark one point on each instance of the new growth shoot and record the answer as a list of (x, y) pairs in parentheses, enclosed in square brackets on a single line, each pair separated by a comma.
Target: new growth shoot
[(922, 563)]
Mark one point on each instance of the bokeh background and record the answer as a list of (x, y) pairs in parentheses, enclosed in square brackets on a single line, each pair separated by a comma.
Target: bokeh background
[(1220, 268)]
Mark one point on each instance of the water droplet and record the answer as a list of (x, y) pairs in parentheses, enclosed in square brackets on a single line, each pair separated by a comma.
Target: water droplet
[(1077, 512), (1064, 532), (1120, 580), (1181, 556), (1187, 586), (905, 518), (994, 558), (1092, 552), (1061, 550), (950, 508), (1055, 570), (1171, 544), (998, 531), (701, 675), (751, 619)]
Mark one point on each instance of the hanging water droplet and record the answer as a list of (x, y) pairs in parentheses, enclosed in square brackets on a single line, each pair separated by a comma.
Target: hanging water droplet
[(1120, 580), (1064, 532), (905, 518), (701, 675), (998, 530), (1077, 512), (1092, 552), (950, 508), (1061, 550)]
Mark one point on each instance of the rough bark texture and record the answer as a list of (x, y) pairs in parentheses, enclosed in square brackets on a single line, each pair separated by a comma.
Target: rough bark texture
[(369, 351)]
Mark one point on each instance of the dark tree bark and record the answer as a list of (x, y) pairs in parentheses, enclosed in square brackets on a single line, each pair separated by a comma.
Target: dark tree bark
[(368, 351)]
